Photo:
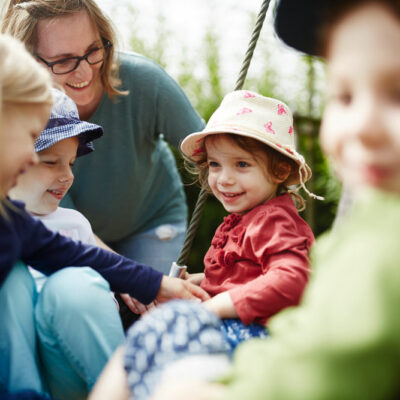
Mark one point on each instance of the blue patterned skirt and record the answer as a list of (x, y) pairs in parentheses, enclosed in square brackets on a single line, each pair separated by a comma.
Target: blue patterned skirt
[(235, 331)]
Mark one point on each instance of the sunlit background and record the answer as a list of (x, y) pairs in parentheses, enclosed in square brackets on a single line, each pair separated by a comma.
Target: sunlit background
[(177, 33)]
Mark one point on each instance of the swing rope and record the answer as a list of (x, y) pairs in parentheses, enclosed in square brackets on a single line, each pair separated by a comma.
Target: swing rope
[(201, 200)]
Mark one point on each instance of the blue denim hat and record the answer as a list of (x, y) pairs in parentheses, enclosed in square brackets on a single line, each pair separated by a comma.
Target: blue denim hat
[(64, 123)]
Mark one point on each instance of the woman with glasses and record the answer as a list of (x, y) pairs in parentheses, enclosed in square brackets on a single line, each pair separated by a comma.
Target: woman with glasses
[(130, 190)]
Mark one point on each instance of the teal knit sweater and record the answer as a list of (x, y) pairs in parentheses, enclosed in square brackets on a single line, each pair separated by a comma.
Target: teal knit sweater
[(130, 183)]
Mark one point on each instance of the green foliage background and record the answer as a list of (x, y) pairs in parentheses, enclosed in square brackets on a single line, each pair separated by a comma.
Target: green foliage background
[(206, 94)]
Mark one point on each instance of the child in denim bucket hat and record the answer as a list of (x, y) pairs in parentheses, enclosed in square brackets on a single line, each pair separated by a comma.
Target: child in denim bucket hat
[(43, 185)]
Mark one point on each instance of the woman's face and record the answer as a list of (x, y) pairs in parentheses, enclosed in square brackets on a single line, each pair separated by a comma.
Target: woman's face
[(361, 125), (70, 36)]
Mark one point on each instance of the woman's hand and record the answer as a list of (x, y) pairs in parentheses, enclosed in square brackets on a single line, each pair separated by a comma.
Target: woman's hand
[(196, 279), (174, 288)]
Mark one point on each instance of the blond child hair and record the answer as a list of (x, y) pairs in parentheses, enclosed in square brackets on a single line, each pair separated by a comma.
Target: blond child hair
[(22, 81)]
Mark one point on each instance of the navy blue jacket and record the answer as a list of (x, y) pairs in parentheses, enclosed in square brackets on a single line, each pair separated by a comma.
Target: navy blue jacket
[(25, 238)]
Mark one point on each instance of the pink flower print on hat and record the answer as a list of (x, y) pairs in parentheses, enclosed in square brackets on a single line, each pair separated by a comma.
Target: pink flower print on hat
[(248, 94), (268, 127), (290, 130), (197, 151), (281, 109), (244, 110)]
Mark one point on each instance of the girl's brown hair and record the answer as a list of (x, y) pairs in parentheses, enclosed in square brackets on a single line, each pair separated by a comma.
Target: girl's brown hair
[(276, 165), (20, 19)]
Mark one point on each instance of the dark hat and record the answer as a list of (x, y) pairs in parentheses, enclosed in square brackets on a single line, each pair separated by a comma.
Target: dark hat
[(297, 23), (64, 123)]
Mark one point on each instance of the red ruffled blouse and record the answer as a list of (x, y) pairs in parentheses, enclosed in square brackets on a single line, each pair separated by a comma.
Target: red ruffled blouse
[(261, 258)]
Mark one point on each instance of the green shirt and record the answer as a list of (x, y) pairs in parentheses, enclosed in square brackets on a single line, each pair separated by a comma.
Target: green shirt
[(343, 341), (130, 183)]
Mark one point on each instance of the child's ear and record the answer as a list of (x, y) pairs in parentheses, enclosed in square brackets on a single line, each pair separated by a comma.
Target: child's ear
[(282, 172)]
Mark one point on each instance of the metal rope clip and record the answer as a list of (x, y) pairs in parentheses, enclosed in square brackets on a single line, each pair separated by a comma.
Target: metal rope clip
[(177, 271)]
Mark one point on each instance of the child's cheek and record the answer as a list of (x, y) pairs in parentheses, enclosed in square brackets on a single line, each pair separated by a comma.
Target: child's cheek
[(327, 138)]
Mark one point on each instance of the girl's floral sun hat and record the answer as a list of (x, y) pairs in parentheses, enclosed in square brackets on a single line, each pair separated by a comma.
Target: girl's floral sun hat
[(252, 115)]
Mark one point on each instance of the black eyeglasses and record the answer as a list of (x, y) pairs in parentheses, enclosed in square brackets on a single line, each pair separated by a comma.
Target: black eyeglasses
[(69, 64)]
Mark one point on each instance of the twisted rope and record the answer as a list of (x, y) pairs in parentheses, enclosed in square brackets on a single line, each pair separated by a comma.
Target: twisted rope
[(201, 200), (192, 229), (252, 45)]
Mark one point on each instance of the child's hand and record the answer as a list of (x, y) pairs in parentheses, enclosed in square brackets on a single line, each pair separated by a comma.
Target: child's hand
[(222, 305), (135, 305), (194, 278), (175, 288)]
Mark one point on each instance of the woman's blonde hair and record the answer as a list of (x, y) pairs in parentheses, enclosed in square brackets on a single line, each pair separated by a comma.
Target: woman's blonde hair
[(20, 19), (22, 81), (274, 163)]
